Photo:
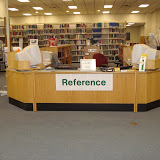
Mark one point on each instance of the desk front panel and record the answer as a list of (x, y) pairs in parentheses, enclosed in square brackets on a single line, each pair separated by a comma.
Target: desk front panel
[(20, 86), (123, 90), (148, 87)]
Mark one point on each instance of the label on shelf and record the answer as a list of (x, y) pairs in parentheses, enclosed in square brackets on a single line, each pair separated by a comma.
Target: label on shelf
[(92, 50)]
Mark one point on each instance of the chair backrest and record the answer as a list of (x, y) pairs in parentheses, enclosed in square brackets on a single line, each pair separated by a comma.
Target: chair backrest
[(100, 59)]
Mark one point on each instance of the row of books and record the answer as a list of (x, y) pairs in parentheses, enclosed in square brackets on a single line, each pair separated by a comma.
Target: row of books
[(77, 59), (47, 37), (14, 40), (117, 30), (16, 33), (116, 36), (121, 25), (35, 32), (21, 27), (113, 47), (71, 26)]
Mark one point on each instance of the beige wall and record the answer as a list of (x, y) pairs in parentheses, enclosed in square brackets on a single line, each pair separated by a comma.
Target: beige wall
[(3, 10), (141, 30), (137, 18), (134, 34)]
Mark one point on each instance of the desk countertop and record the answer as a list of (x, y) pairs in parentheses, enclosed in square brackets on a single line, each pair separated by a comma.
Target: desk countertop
[(82, 72)]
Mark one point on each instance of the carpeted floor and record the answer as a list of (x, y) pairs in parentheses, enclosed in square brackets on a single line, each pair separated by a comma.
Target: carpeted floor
[(2, 80), (78, 135)]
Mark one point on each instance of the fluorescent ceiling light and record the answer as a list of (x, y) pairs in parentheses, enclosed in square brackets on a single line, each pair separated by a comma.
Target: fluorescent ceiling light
[(128, 25), (77, 12), (98, 10), (67, 0), (67, 11), (13, 9), (144, 5), (72, 7), (105, 12), (27, 14), (38, 8), (135, 12), (23, 0), (48, 13), (108, 6)]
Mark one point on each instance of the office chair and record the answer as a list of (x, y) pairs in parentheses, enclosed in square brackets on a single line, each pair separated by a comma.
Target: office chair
[(101, 60)]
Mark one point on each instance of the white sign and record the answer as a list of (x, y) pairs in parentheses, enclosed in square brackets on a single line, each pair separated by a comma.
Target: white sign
[(86, 54), (84, 82), (33, 42), (88, 64), (92, 50), (142, 63)]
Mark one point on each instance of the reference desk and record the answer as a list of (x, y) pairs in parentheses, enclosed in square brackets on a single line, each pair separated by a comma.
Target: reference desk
[(37, 90)]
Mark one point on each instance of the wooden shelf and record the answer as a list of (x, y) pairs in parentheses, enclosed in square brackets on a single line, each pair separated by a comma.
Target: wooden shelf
[(62, 51)]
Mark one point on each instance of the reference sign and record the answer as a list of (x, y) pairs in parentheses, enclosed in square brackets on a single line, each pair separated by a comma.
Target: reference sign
[(84, 82)]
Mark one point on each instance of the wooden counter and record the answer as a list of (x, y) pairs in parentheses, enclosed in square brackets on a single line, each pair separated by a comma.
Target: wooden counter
[(36, 90)]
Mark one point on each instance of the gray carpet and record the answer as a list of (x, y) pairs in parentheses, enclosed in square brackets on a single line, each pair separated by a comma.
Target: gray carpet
[(78, 135), (2, 80)]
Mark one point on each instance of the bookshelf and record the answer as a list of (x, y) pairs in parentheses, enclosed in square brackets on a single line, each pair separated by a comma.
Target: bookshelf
[(3, 42), (63, 52), (107, 35)]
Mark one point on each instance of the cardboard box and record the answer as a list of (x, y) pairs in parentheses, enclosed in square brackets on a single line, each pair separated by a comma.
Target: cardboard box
[(127, 55), (11, 58), (22, 65), (153, 64)]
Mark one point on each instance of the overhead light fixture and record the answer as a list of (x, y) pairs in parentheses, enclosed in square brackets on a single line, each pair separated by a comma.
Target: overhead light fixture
[(38, 8), (23, 0), (72, 7), (130, 23), (105, 12), (108, 6), (67, 0), (27, 14), (67, 11), (77, 12), (36, 12), (13, 9), (48, 14), (144, 5), (135, 12), (98, 10)]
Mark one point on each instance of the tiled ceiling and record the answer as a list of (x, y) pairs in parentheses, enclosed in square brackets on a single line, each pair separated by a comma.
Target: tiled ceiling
[(59, 7)]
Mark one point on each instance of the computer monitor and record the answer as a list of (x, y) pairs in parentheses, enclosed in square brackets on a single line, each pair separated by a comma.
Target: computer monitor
[(140, 49), (30, 53)]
